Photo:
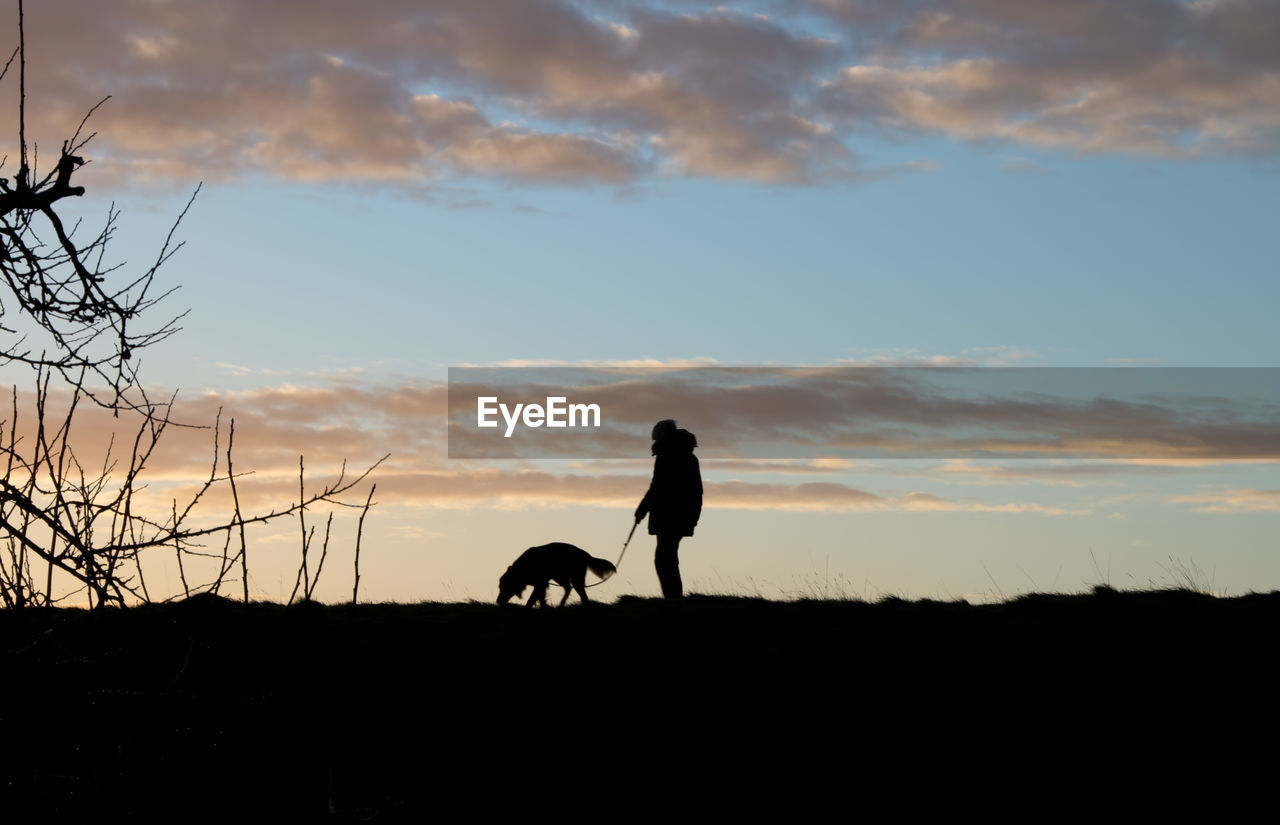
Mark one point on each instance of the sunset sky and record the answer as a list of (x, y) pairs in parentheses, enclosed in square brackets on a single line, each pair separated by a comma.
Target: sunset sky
[(394, 188)]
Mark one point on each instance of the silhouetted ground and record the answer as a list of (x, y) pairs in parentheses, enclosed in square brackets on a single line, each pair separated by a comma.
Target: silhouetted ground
[(714, 705)]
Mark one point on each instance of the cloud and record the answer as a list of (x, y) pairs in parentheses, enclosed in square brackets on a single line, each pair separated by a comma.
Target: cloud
[(240, 370), (1234, 501), (518, 488), (1076, 473), (626, 363), (875, 412), (1151, 77), (408, 94), (349, 417), (991, 356), (414, 94), (345, 426), (783, 466)]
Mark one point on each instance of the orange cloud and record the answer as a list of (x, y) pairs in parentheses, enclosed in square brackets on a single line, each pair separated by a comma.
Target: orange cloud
[(1158, 78), (408, 94), (1234, 501), (351, 425), (912, 412)]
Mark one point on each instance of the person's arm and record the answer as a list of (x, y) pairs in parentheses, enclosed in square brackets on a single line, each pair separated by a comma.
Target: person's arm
[(643, 509), (697, 479), (646, 503)]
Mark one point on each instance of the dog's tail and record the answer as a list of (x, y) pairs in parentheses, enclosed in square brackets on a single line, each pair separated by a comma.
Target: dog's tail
[(601, 567)]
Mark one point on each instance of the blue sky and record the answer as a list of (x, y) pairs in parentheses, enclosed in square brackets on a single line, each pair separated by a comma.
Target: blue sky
[(397, 190), (1059, 266)]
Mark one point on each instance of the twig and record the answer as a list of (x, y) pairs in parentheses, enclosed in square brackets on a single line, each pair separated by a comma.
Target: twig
[(324, 551), (355, 588)]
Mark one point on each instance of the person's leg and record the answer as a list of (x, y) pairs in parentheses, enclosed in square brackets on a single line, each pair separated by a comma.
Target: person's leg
[(667, 563)]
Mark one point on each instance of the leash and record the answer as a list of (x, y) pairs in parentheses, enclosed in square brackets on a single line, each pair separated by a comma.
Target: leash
[(625, 543), (620, 555)]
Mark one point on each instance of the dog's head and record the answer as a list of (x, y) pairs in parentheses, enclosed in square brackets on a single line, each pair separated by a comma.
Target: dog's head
[(509, 587)]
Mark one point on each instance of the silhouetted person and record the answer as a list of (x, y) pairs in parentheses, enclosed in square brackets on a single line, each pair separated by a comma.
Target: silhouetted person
[(674, 500)]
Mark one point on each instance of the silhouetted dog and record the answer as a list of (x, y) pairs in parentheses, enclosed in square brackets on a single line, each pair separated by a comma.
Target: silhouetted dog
[(562, 563)]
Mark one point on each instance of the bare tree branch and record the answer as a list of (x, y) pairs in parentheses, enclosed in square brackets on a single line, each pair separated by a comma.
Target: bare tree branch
[(89, 317), (93, 527), (76, 318)]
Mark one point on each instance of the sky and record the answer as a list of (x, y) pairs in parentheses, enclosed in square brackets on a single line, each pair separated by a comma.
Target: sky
[(389, 189)]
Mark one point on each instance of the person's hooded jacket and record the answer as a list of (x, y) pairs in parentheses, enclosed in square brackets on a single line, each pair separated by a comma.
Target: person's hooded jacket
[(674, 500)]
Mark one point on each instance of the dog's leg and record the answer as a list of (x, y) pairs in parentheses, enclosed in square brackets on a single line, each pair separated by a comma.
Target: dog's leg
[(565, 598)]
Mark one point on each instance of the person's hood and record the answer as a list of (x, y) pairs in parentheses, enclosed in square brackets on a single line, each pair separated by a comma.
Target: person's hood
[(680, 442)]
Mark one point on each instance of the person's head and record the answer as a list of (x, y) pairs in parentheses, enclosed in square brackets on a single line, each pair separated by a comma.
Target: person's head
[(663, 428)]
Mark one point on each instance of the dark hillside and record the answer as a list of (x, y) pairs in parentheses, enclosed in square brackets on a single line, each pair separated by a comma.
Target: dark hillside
[(385, 710)]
